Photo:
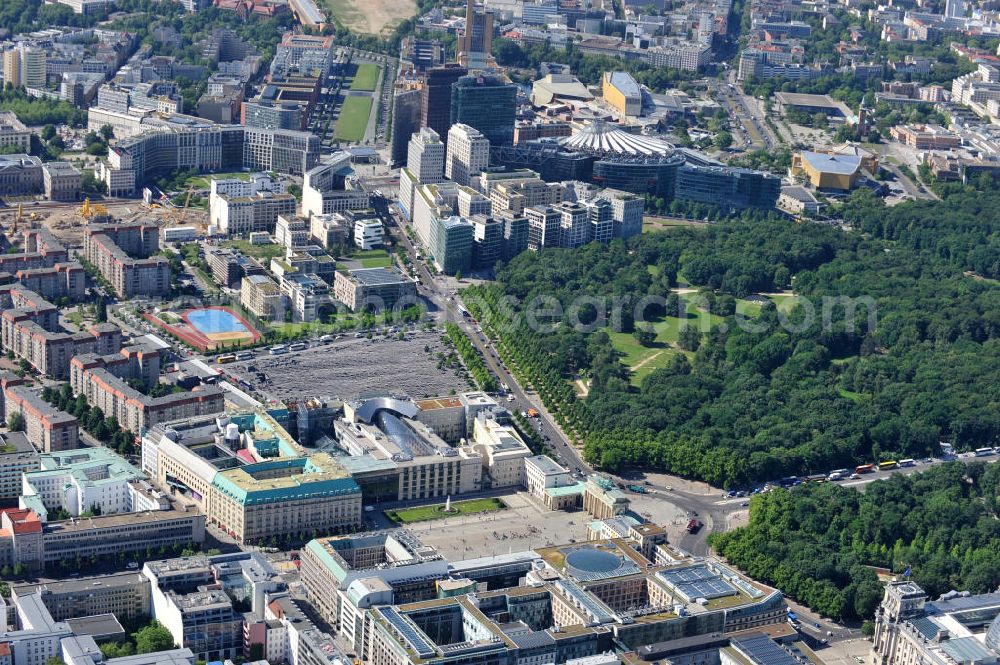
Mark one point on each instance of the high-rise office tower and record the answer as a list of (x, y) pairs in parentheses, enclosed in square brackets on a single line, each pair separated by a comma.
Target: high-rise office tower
[(435, 100), (424, 164), (12, 67), (425, 156), (477, 42), (488, 103), (405, 118), (468, 154), (33, 67)]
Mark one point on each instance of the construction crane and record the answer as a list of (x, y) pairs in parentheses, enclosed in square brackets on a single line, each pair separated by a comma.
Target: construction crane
[(187, 202), (202, 228), (89, 212)]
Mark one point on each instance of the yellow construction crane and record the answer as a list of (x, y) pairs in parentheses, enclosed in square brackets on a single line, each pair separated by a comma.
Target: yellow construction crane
[(187, 202), (88, 211)]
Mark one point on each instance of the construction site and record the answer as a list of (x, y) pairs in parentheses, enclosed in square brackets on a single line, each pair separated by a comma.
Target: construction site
[(67, 220)]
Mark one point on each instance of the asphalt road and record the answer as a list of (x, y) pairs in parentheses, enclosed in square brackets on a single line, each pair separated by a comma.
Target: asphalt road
[(446, 301)]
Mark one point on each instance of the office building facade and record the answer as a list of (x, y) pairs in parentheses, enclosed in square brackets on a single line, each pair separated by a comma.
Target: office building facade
[(487, 103), (468, 154), (435, 97)]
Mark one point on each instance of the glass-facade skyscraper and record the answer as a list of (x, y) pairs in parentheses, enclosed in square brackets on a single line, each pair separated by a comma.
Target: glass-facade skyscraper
[(488, 103)]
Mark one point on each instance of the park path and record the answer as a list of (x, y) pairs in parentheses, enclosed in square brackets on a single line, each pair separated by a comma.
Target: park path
[(647, 360)]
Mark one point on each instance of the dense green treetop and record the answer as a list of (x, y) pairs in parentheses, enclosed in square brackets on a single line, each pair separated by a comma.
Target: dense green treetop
[(818, 543), (746, 405)]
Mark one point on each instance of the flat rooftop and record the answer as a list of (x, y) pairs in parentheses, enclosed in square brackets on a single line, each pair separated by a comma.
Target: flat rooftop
[(118, 580), (438, 403), (121, 519), (546, 465), (314, 476), (97, 625), (15, 443), (804, 99), (378, 276)]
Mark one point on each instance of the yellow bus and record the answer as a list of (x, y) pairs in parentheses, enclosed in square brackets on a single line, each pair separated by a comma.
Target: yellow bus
[(885, 466), (228, 358)]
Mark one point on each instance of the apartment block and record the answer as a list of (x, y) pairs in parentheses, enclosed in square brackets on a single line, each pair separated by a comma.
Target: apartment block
[(125, 255), (574, 224), (41, 250), (63, 280), (103, 381), (543, 227), (513, 195), (45, 427), (424, 164), (29, 328)]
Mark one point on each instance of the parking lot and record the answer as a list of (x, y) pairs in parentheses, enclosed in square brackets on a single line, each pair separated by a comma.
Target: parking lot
[(348, 367)]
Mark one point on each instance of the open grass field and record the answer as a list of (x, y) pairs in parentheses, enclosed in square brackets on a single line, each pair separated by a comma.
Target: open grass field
[(353, 119), (373, 17), (643, 360), (436, 512), (366, 77)]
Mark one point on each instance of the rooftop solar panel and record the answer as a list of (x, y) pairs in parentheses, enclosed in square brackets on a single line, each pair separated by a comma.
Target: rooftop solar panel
[(762, 650), (408, 632)]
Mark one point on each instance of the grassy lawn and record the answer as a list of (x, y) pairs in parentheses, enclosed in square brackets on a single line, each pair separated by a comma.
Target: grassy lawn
[(851, 395), (265, 252), (293, 330), (366, 77), (643, 360), (203, 181), (373, 258), (436, 512), (76, 317), (353, 119), (666, 224), (346, 12)]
